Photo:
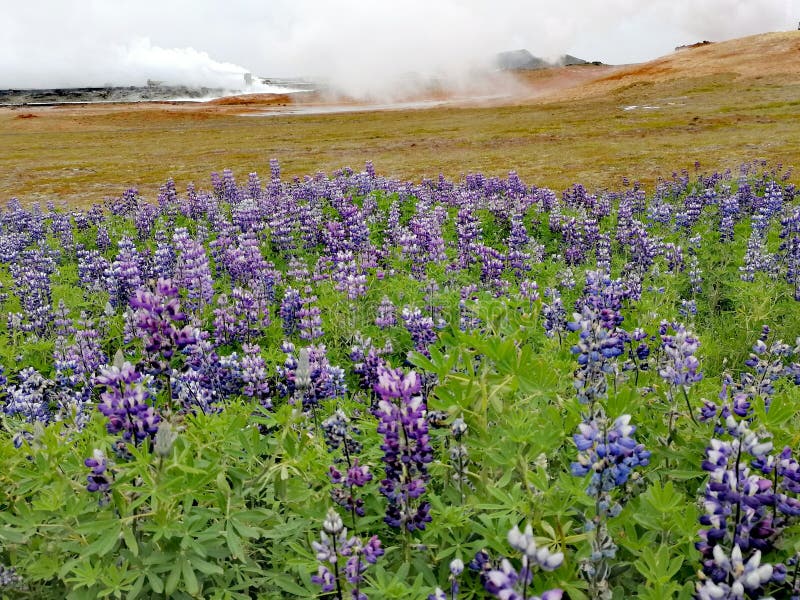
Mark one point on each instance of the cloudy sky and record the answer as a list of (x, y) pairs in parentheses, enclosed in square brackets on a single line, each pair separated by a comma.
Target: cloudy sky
[(359, 45)]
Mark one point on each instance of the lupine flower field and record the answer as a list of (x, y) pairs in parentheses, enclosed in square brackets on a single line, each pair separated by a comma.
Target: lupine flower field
[(354, 387)]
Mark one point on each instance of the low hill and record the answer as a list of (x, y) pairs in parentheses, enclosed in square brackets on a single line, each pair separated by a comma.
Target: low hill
[(756, 56), (520, 60), (523, 60)]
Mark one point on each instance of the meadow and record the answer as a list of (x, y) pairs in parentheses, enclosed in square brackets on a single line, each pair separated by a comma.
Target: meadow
[(351, 386), (543, 349), (86, 154)]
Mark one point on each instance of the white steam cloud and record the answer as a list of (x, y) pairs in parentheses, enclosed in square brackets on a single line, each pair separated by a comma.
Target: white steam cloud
[(359, 46)]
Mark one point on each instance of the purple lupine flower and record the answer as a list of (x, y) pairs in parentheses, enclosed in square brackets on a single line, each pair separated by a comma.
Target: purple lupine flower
[(367, 359), (124, 275), (226, 326), (517, 242), (730, 213), (504, 582), (297, 269), (346, 474), (159, 322), (86, 354), (401, 413), (456, 568), (596, 350), (790, 249), (192, 271), (420, 327), (392, 229), (31, 273), (695, 274), (247, 266), (333, 546), (320, 380), (492, 264), (554, 314), (164, 258), (755, 258), (745, 512), (209, 379), (95, 215), (609, 452), (355, 227), (468, 230), (92, 268), (144, 219), (574, 241), (289, 310), (412, 251), (103, 241), (638, 352), (251, 314), (348, 277), (467, 303), (30, 398), (741, 577), (254, 375), (529, 290), (98, 480), (603, 253), (673, 255), (227, 187), (766, 367), (601, 340), (9, 578), (61, 226), (309, 317), (386, 314), (126, 204), (679, 366), (125, 402)]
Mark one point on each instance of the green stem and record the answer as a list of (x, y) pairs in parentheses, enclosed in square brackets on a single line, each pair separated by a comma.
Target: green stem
[(688, 404)]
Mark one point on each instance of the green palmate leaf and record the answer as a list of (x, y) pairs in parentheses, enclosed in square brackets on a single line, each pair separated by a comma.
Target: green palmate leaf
[(174, 578), (659, 567), (84, 573), (290, 586), (102, 546), (189, 578), (130, 540), (664, 498), (234, 542), (205, 567), (137, 587), (156, 583)]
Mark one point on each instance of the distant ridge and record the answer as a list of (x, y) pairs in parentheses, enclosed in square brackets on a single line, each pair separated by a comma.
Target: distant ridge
[(520, 60), (523, 60)]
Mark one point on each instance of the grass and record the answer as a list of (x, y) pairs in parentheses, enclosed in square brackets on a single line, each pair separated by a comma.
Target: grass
[(85, 154)]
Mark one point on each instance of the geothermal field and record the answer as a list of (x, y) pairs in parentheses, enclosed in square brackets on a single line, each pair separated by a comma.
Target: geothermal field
[(533, 337)]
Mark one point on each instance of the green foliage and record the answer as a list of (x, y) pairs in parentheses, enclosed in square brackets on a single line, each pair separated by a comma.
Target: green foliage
[(232, 510)]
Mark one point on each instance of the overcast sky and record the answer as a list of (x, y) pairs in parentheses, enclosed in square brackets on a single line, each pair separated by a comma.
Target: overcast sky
[(357, 44)]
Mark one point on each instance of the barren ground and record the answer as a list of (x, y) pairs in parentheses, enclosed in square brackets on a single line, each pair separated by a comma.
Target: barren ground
[(720, 104)]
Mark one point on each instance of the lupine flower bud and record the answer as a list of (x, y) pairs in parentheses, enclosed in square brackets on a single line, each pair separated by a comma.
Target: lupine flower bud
[(456, 566), (165, 438), (303, 372)]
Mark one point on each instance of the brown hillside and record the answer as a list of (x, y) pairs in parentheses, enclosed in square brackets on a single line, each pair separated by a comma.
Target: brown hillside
[(756, 56)]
